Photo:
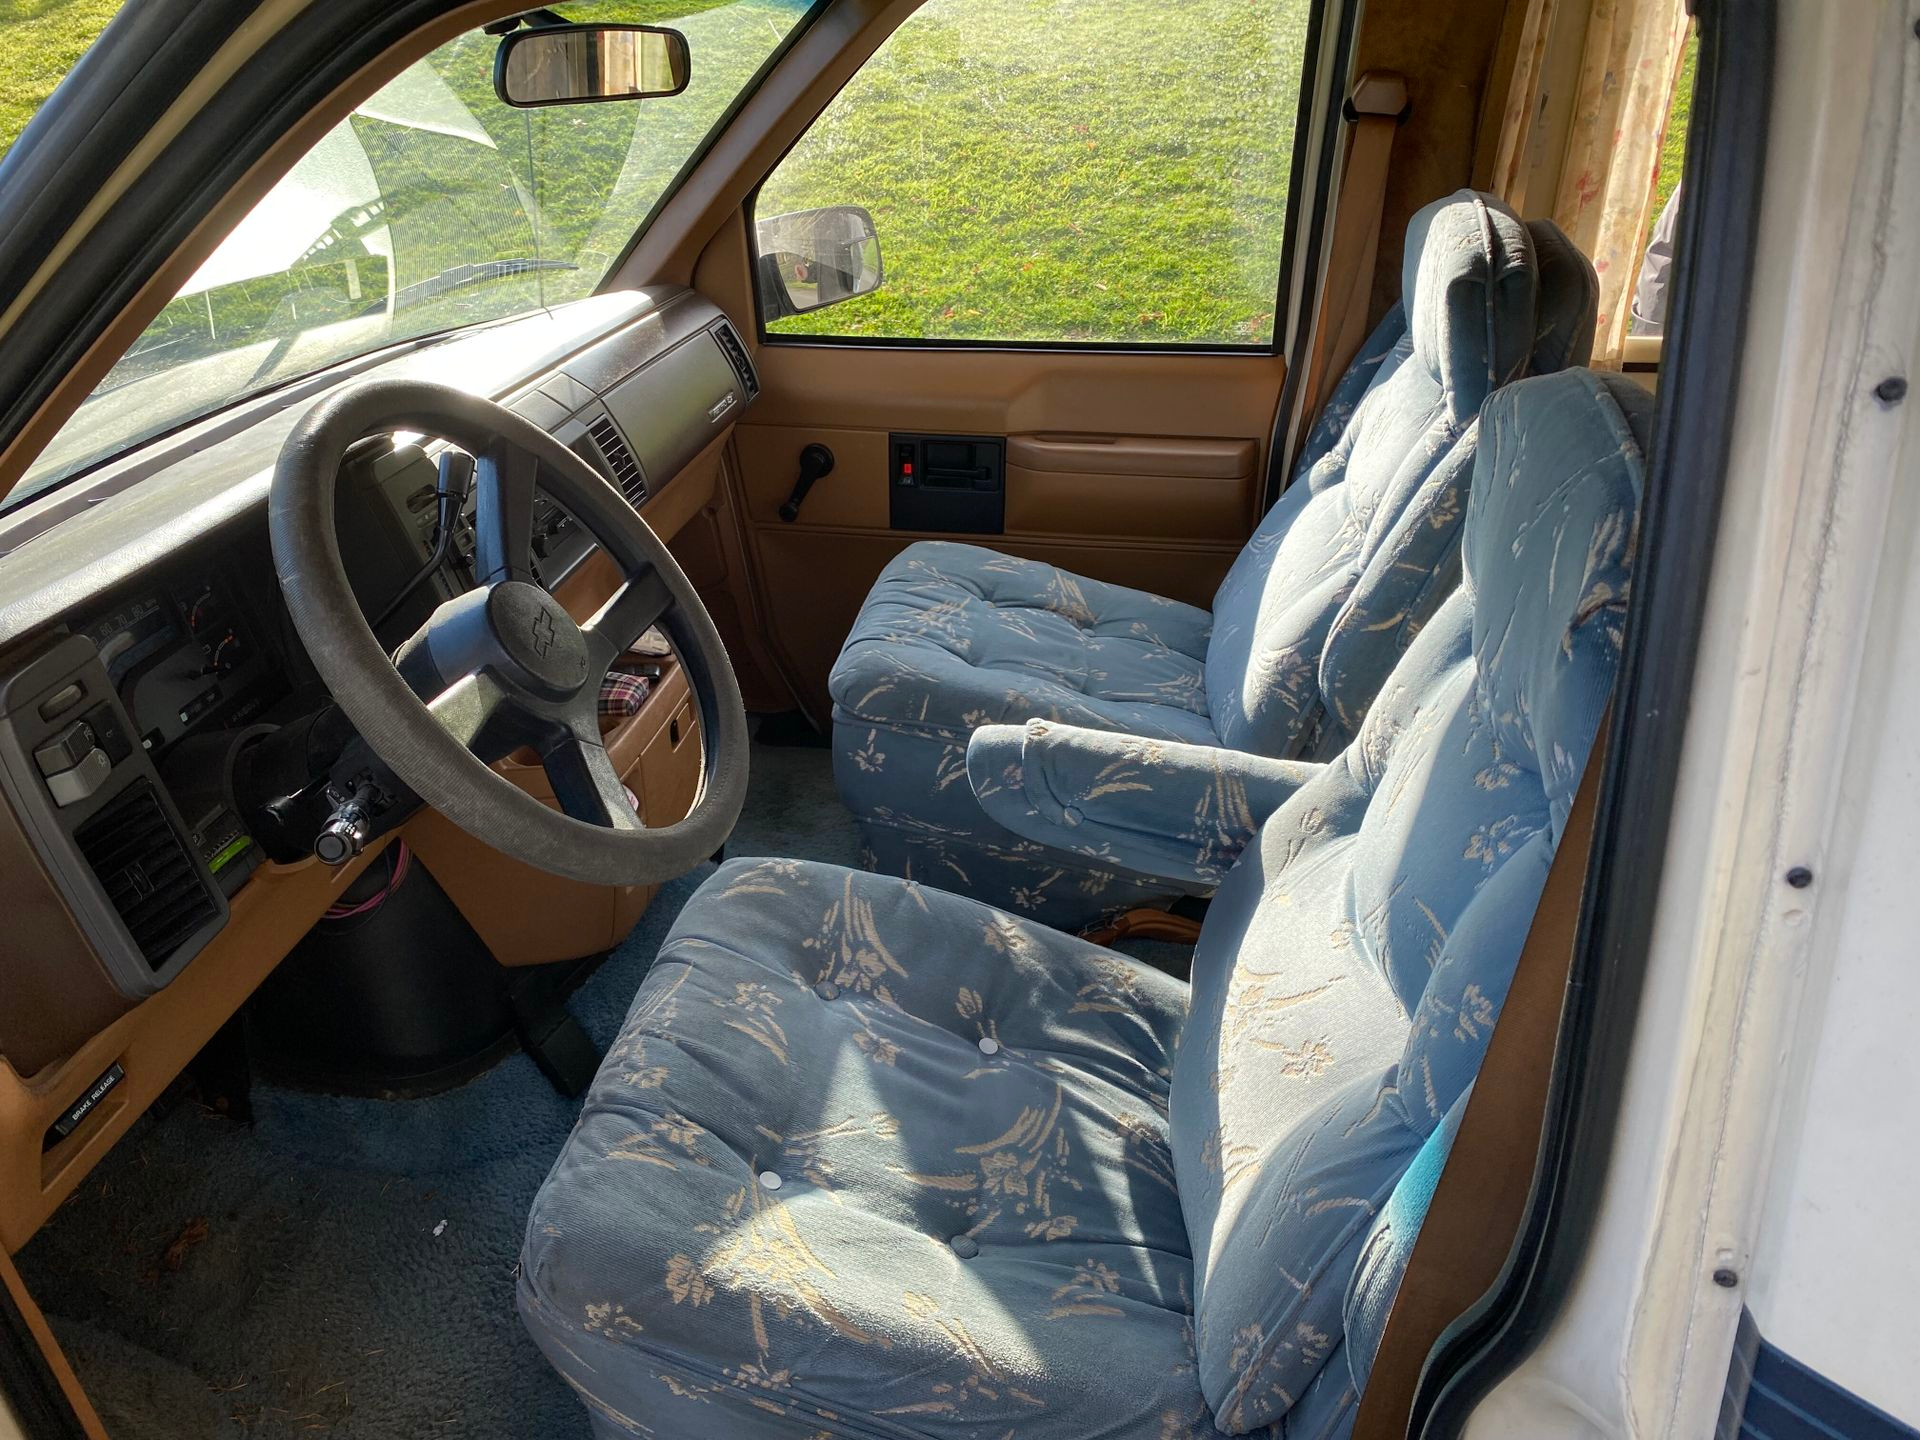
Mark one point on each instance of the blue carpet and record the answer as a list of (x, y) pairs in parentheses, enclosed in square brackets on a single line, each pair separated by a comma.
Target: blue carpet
[(345, 1267)]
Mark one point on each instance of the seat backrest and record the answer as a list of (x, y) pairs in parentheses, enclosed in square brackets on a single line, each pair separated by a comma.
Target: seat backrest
[(1566, 310), (1354, 961), (1469, 287), (1415, 563)]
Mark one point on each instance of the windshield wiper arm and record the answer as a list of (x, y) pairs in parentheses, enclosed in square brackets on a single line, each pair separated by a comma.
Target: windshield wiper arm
[(457, 276)]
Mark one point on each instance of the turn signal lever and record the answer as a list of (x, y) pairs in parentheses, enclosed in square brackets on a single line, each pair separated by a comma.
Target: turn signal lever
[(816, 463)]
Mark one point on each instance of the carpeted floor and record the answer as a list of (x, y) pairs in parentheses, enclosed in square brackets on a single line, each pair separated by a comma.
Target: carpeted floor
[(344, 1267)]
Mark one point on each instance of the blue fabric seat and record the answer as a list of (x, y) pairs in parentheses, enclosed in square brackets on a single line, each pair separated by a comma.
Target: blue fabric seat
[(956, 637), (874, 1159)]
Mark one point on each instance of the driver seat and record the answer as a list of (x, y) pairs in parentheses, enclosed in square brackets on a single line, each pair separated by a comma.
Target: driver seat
[(873, 1159)]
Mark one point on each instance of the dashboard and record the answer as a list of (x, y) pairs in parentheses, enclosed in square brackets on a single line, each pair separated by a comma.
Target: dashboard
[(145, 649)]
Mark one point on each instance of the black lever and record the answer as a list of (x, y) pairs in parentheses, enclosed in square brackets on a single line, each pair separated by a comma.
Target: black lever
[(816, 462)]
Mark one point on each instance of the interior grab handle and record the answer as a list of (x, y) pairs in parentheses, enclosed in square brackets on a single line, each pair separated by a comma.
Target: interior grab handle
[(816, 462)]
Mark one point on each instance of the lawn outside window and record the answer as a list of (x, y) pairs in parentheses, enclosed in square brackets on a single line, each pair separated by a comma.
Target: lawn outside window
[(1096, 172)]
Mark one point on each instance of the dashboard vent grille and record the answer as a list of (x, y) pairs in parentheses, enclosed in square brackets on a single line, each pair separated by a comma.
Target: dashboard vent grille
[(622, 468), (150, 880), (730, 346)]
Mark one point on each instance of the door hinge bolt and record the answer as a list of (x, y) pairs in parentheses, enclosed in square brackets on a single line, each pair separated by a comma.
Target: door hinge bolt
[(1892, 390), (1726, 1279), (1799, 877)]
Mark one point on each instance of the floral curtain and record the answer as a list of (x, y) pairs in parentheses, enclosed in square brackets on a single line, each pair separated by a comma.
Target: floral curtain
[(1627, 76)]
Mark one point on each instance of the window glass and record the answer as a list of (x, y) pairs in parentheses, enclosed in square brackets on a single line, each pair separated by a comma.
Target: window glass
[(1097, 171), (435, 205), (1653, 286)]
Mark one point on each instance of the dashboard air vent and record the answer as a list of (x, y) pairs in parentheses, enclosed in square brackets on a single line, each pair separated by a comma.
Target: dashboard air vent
[(622, 468), (730, 346), (149, 878)]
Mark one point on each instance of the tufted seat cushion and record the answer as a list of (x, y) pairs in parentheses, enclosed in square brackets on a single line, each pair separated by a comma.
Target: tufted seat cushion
[(954, 637), (961, 1243)]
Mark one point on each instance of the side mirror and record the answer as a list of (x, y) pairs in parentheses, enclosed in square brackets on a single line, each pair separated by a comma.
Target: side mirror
[(815, 258), (579, 64)]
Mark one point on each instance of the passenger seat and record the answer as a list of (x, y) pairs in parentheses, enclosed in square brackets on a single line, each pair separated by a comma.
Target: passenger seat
[(954, 637)]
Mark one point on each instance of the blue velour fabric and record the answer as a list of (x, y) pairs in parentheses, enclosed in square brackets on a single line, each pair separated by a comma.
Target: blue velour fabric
[(873, 1159), (1179, 813), (955, 637)]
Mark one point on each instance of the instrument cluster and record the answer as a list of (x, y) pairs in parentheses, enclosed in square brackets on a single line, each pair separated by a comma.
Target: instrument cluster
[(182, 657)]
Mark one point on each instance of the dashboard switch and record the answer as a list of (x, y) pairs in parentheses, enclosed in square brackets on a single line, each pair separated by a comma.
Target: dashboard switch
[(65, 750), (62, 700), (80, 781)]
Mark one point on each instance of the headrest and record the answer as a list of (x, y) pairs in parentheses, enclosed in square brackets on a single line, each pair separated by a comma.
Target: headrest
[(1568, 306), (1551, 524), (1468, 288)]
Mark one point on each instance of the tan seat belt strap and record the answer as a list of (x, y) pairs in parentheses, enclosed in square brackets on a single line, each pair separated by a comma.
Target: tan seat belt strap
[(1374, 111), (1484, 1189)]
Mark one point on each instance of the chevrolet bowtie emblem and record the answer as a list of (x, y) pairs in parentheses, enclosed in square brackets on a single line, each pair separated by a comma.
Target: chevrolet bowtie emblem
[(544, 631)]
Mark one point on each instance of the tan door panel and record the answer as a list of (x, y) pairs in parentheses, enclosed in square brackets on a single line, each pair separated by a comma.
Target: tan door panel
[(1185, 488), (1140, 468)]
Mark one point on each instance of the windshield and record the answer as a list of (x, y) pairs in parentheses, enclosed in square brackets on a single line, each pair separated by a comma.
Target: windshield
[(433, 206)]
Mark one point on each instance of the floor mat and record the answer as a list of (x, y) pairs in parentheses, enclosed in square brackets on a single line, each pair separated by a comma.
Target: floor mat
[(345, 1267)]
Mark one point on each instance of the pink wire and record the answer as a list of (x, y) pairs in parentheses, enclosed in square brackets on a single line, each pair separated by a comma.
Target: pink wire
[(399, 861)]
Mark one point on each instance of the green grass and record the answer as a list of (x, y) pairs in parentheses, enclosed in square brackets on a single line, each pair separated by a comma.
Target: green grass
[(1111, 170), (40, 41), (1105, 170), (1673, 148)]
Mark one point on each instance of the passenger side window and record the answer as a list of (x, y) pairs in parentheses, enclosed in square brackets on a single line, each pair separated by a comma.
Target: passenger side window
[(1100, 172)]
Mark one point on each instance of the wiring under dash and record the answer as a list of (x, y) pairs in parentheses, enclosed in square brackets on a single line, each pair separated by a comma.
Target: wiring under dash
[(399, 857)]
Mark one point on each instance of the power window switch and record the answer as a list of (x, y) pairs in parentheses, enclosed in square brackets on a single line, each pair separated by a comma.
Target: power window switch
[(82, 780), (65, 750)]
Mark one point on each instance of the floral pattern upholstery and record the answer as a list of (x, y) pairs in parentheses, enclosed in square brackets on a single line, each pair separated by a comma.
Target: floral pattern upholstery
[(873, 1159), (975, 1224), (1354, 961), (1179, 813), (955, 637)]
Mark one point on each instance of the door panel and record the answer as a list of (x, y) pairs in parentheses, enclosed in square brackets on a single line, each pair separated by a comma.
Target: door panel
[(1139, 468), (1055, 482)]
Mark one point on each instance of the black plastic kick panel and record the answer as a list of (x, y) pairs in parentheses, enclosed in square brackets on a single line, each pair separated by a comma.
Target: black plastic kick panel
[(953, 484)]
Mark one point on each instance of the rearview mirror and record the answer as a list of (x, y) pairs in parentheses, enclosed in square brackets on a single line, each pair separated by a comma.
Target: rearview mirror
[(815, 258), (580, 64)]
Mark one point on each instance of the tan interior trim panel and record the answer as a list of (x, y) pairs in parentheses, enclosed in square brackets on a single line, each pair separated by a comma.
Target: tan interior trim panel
[(524, 917), (63, 1374)]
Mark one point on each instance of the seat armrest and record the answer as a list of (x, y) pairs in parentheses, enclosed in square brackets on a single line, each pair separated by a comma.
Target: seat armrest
[(1179, 813)]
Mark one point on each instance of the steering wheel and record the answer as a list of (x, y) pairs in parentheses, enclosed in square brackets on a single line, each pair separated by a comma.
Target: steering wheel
[(504, 664)]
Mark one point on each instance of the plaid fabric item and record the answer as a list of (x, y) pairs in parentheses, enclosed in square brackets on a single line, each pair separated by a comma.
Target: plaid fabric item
[(622, 694)]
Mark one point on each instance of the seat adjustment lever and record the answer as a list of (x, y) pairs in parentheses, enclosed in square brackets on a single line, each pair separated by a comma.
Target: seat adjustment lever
[(816, 463)]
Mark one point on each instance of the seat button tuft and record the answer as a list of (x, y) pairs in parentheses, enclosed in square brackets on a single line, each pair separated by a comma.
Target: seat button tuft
[(770, 1179), (989, 1045), (827, 990), (965, 1246)]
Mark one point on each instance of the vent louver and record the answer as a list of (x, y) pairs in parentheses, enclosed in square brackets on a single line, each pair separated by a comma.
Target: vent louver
[(149, 878), (728, 339), (622, 468)]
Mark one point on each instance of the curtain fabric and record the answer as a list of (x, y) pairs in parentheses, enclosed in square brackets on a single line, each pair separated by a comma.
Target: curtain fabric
[(1523, 105), (1627, 76)]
